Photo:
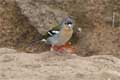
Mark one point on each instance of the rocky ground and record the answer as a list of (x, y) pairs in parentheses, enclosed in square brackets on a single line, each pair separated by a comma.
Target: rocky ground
[(51, 66)]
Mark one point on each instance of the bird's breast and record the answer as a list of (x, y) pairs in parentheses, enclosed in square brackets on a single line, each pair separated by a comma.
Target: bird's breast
[(65, 35)]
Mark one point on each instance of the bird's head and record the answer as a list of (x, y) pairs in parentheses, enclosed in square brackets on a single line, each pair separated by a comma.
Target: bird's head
[(68, 23)]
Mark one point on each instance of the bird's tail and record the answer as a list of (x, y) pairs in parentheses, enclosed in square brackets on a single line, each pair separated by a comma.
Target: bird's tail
[(39, 38)]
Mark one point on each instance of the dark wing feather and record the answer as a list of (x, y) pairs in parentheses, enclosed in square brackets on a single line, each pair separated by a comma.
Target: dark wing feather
[(52, 32)]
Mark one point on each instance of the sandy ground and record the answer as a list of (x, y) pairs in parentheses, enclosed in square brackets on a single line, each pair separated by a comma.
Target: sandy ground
[(51, 66)]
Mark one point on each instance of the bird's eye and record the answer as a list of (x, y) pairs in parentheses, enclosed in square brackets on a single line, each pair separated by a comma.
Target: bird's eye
[(69, 24)]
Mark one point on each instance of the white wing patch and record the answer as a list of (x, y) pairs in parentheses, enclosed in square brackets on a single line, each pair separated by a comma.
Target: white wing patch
[(56, 32), (50, 33)]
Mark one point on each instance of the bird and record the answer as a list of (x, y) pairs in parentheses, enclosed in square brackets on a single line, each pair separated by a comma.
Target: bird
[(59, 36)]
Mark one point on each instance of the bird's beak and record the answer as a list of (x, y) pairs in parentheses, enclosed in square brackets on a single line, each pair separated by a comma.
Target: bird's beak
[(70, 25)]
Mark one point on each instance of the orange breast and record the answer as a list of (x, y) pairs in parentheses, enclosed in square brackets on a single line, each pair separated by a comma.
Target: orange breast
[(67, 31), (65, 35)]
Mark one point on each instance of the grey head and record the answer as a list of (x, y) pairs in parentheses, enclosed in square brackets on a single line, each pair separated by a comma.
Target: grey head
[(67, 22)]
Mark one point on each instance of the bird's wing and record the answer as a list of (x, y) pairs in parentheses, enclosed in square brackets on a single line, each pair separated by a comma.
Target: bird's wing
[(51, 32)]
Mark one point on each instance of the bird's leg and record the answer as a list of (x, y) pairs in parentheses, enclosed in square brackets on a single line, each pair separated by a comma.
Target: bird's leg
[(52, 48), (60, 48), (63, 48), (57, 48)]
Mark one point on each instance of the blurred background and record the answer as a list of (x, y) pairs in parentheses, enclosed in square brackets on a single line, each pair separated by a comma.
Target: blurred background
[(22, 22)]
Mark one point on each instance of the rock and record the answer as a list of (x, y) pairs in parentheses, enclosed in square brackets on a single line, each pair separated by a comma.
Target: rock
[(42, 16), (50, 66), (15, 30), (23, 21), (97, 36)]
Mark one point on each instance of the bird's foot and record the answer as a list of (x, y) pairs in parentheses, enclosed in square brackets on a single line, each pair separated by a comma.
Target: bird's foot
[(57, 48), (67, 48)]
